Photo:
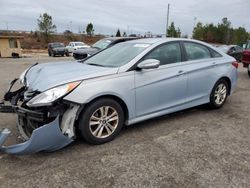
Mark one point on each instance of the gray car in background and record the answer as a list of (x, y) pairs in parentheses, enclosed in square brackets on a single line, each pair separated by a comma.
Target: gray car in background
[(99, 45), (56, 48), (127, 83)]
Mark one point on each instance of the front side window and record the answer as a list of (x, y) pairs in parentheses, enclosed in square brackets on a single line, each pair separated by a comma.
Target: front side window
[(196, 51), (166, 54), (13, 43)]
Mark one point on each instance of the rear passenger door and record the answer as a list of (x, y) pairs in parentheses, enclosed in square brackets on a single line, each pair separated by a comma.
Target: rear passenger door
[(201, 67)]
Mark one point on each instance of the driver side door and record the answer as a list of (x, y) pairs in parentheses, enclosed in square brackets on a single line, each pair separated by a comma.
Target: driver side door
[(163, 88)]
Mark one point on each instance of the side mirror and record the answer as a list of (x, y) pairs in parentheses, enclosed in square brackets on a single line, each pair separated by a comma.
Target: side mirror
[(149, 64)]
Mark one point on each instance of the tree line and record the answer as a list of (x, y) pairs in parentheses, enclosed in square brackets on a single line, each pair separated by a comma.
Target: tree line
[(222, 33)]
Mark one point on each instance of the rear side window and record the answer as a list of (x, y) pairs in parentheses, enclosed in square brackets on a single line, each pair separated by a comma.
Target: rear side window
[(166, 54), (196, 51)]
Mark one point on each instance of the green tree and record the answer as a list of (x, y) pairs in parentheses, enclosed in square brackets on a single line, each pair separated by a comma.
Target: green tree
[(46, 26), (172, 32), (198, 32), (224, 31), (118, 33), (90, 29), (240, 35)]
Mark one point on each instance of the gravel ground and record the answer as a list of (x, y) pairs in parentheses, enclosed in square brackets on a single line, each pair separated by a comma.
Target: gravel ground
[(193, 148)]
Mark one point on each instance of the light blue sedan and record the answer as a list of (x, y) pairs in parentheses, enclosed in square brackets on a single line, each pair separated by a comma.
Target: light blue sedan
[(122, 85)]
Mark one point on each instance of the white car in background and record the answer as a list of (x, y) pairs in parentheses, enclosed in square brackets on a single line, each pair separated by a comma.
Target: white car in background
[(72, 46)]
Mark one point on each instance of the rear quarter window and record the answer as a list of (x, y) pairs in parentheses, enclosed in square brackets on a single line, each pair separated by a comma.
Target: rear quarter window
[(215, 54)]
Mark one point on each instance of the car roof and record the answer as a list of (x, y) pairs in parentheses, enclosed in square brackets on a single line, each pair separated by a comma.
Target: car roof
[(119, 38), (162, 40)]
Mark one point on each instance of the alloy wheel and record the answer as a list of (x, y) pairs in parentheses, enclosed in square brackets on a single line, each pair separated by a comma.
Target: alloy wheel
[(103, 122), (220, 94)]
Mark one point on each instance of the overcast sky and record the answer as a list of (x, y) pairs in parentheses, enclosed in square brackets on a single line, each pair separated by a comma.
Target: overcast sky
[(133, 16)]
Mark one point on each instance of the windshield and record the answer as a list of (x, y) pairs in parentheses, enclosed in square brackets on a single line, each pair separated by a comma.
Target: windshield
[(117, 55), (79, 44), (101, 44), (57, 45), (248, 45)]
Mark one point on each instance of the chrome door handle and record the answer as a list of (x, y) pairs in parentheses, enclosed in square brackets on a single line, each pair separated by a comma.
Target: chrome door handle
[(180, 72)]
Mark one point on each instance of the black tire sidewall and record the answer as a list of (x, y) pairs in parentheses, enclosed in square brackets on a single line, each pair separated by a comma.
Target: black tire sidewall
[(212, 103), (84, 117)]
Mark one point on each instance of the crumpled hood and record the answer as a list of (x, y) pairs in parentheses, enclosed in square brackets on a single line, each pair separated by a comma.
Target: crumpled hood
[(89, 51), (48, 75)]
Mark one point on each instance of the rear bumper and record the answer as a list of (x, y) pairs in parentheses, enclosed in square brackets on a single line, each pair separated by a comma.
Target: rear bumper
[(46, 138)]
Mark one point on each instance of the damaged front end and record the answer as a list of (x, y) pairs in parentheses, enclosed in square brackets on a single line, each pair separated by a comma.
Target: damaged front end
[(44, 128)]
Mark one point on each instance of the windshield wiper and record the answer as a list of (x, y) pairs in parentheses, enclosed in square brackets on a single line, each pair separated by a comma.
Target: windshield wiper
[(95, 64)]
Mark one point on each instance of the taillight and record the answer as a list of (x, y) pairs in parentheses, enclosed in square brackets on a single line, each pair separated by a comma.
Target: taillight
[(235, 64)]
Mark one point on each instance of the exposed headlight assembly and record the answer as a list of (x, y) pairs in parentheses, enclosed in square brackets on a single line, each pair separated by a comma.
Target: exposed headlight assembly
[(48, 97)]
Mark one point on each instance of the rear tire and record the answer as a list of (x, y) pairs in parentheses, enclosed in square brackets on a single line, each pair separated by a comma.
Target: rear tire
[(219, 94), (248, 71), (101, 121)]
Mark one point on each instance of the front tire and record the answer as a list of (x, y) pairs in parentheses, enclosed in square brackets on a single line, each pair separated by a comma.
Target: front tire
[(101, 121), (248, 71), (219, 94)]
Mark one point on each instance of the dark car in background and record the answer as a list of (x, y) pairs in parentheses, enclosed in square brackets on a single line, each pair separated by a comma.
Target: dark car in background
[(99, 45), (56, 48), (232, 50)]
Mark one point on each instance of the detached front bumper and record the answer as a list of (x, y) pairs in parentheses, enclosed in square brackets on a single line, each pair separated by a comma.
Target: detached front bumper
[(46, 138), (49, 128)]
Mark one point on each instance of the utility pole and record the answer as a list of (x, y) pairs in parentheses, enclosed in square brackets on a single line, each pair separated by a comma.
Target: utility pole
[(70, 26), (7, 26), (167, 20), (195, 19)]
